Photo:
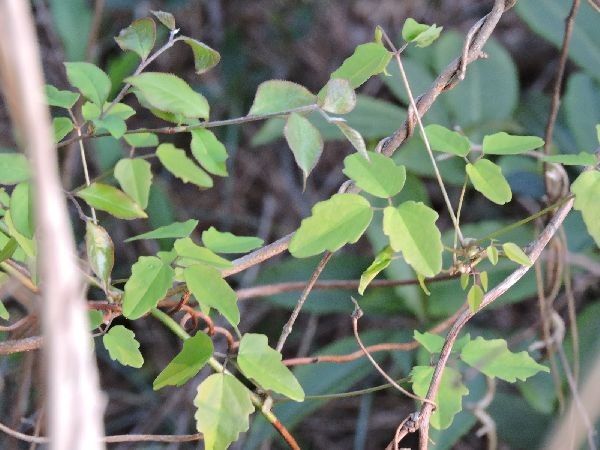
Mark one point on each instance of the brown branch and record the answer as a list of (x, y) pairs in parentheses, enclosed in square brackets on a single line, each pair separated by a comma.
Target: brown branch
[(535, 249), (21, 345), (560, 72)]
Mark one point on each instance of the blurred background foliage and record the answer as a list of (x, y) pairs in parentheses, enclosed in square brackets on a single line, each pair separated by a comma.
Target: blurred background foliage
[(304, 41)]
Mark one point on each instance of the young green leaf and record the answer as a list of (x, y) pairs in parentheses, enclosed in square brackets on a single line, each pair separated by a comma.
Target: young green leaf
[(95, 319), (433, 343), (412, 231), (135, 178), (263, 364), (91, 81), (209, 151), (514, 253), (123, 347), (582, 159), (381, 262), (464, 280), (483, 278), (427, 37), (61, 99), (139, 37), (475, 297), (141, 139), (21, 210), (61, 126), (195, 353), (487, 178), (90, 111), (112, 200), (176, 162), (587, 192), (367, 60), (210, 289), (150, 279), (275, 96), (14, 168), (442, 139), (305, 141), (165, 18), (205, 58), (28, 245), (9, 249), (100, 251), (334, 223), (167, 92), (353, 136), (494, 359), (492, 254), (223, 242), (4, 314), (114, 124), (194, 254), (173, 230), (337, 96), (421, 34), (379, 175), (223, 407), (121, 110), (448, 398), (505, 144)]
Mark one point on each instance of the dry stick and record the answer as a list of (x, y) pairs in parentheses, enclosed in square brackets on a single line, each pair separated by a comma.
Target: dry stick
[(108, 439), (383, 347), (413, 107), (71, 371), (287, 329), (535, 249)]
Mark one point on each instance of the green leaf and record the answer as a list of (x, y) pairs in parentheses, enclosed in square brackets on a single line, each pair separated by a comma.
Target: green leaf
[(21, 210), (223, 242), (475, 297), (91, 81), (135, 178), (379, 175), (4, 314), (9, 249), (195, 353), (504, 144), (381, 262), (61, 99), (165, 18), (167, 92), (412, 29), (205, 58), (483, 278), (14, 168), (442, 139), (114, 124), (120, 110), (263, 364), (305, 141), (176, 162), (433, 343), (412, 231), (141, 139), (90, 111), (275, 96), (367, 60), (209, 152), (587, 192), (95, 319), (334, 223), (582, 159), (139, 37), (353, 136), (61, 126), (427, 37), (100, 251), (492, 254), (514, 253), (487, 178), (173, 230), (112, 200), (337, 96), (464, 280), (150, 279), (448, 398), (223, 407), (123, 347), (186, 249), (494, 359), (210, 289), (27, 244)]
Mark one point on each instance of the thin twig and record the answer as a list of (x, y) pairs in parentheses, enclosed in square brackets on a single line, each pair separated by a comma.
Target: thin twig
[(287, 329)]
